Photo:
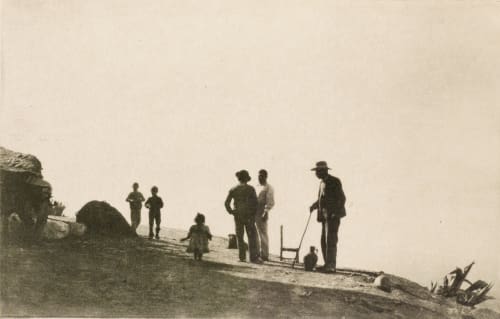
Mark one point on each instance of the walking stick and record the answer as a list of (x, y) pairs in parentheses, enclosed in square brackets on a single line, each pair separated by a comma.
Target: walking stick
[(300, 244)]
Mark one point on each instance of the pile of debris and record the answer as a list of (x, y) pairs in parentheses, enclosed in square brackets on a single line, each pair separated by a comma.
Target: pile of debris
[(473, 295), (103, 219)]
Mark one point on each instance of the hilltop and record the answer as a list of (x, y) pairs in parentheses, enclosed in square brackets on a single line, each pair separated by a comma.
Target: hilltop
[(137, 277)]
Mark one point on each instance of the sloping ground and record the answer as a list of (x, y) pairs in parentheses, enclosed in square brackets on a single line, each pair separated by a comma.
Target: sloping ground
[(136, 277)]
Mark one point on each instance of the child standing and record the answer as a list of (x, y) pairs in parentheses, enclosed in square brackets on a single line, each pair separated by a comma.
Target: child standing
[(135, 200), (199, 236), (155, 204)]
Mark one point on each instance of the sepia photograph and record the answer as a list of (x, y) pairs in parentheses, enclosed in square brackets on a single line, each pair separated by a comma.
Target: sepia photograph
[(250, 159)]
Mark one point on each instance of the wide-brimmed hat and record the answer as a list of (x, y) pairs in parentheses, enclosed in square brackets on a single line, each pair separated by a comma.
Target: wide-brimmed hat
[(243, 176), (320, 165)]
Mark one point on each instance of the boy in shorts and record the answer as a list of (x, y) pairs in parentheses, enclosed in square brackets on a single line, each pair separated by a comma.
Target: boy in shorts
[(154, 204)]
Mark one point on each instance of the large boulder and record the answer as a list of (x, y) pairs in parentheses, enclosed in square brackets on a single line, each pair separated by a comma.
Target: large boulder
[(75, 229), (23, 191), (55, 229), (103, 219)]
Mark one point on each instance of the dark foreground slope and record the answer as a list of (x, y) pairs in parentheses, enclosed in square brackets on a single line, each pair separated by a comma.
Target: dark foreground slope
[(136, 277)]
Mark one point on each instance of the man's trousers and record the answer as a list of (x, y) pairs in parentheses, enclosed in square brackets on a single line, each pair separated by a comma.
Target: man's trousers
[(329, 239), (263, 239), (248, 224)]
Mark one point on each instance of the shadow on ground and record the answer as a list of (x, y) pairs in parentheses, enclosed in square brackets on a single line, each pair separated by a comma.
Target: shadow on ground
[(102, 277)]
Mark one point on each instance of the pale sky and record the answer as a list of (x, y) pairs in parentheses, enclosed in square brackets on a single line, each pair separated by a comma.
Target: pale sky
[(401, 98)]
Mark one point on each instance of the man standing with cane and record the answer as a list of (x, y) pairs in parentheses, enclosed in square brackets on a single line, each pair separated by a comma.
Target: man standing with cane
[(330, 209)]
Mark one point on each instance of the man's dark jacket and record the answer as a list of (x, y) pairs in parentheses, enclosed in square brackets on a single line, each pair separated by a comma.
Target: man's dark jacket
[(245, 202), (333, 199)]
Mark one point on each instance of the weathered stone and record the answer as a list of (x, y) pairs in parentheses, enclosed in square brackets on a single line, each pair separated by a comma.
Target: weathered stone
[(383, 283), (54, 229), (102, 218)]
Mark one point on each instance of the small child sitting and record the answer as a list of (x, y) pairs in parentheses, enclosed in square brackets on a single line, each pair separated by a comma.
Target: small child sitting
[(310, 260), (198, 236)]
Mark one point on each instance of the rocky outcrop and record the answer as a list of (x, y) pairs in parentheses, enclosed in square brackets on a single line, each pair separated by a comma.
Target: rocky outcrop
[(103, 219), (23, 192)]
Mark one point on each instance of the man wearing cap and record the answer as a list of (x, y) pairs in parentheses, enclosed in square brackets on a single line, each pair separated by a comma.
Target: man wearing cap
[(244, 200), (330, 209), (265, 199)]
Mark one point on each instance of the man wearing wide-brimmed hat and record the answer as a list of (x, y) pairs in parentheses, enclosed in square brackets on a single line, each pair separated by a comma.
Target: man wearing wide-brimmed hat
[(330, 209), (244, 199)]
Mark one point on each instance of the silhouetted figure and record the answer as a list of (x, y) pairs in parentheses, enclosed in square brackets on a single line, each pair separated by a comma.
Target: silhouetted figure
[(265, 201), (135, 200), (311, 259), (199, 235), (244, 200), (330, 209), (155, 204)]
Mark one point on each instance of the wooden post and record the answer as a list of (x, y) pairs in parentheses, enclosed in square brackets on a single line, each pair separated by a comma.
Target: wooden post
[(281, 243)]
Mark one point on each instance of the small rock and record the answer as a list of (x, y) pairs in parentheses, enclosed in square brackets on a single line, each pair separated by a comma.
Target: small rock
[(77, 229), (383, 283)]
